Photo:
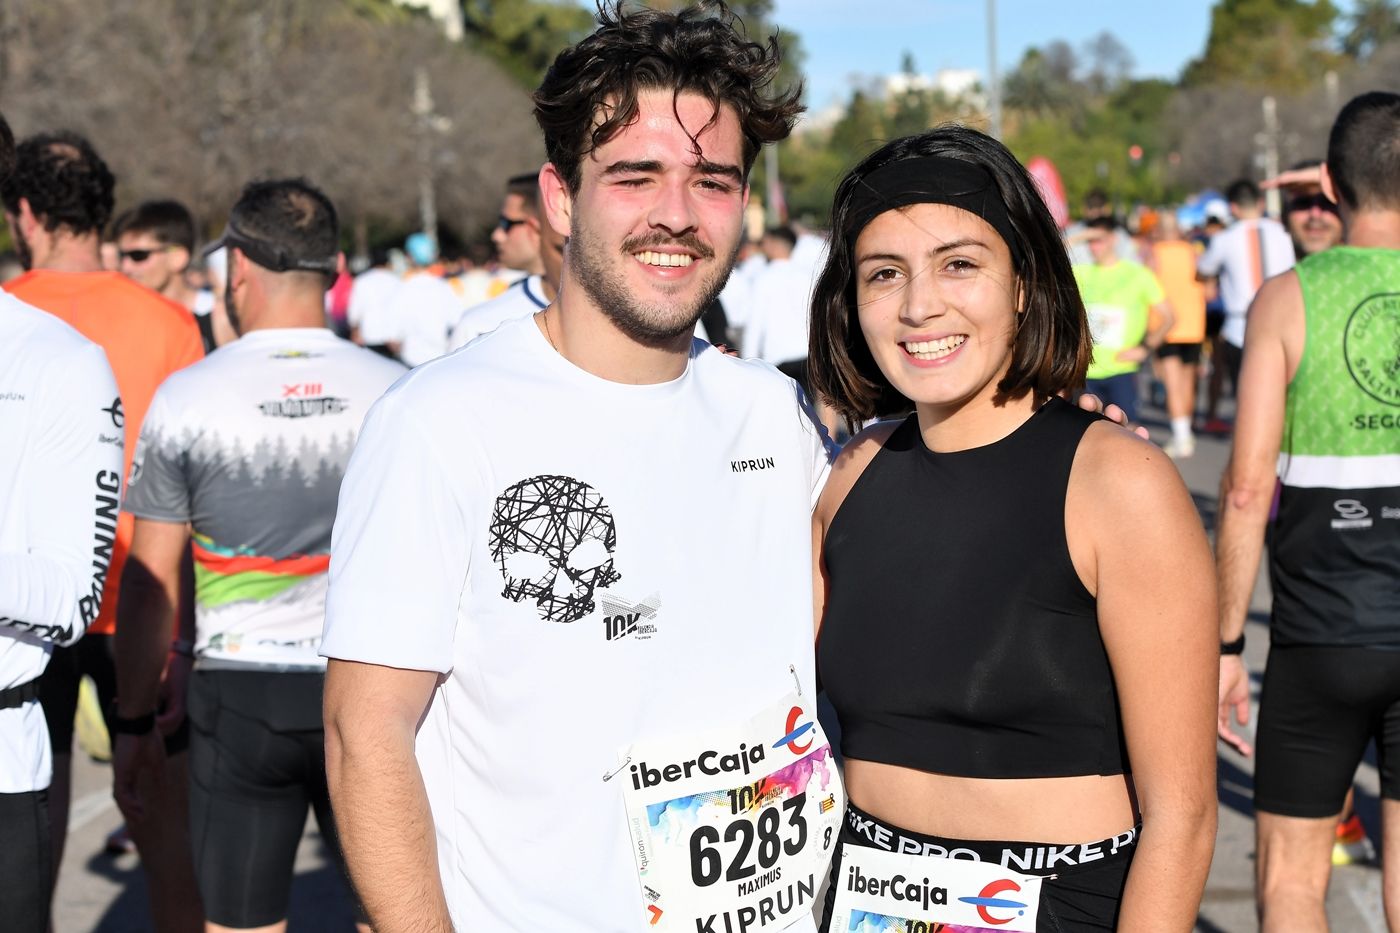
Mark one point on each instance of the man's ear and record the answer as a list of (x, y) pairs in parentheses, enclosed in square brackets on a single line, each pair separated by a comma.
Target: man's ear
[(1329, 187), (557, 201), (27, 220), (180, 257), (237, 267)]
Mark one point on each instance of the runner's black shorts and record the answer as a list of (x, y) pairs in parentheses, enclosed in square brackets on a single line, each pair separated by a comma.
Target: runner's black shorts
[(1319, 708), (1215, 320), (91, 656), (1188, 353), (1233, 359), (1083, 895), (26, 862), (257, 761)]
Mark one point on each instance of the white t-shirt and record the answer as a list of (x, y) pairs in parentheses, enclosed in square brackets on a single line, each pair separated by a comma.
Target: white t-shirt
[(780, 311), (373, 288), (249, 446), (60, 484), (523, 298), (502, 505), (1232, 256), (428, 307), (736, 300)]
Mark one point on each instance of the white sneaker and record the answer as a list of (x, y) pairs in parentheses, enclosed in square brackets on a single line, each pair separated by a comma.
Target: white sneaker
[(1180, 448)]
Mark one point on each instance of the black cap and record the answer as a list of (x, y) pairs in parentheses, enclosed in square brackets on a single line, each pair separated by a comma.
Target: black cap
[(272, 256)]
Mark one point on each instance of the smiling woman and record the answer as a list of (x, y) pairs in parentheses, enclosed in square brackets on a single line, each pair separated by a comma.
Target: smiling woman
[(1012, 567)]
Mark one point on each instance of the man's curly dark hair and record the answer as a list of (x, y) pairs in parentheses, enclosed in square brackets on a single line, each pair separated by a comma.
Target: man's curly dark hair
[(7, 149), (64, 180), (590, 92)]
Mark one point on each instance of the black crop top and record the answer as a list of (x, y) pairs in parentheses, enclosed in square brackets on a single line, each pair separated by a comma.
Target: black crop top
[(958, 637)]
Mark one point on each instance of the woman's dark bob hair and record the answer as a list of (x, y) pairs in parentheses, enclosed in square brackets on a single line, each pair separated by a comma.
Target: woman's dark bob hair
[(1053, 344)]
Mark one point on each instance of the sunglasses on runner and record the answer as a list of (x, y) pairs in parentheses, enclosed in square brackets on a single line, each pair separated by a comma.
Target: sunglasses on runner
[(140, 255), (1307, 202), (506, 224)]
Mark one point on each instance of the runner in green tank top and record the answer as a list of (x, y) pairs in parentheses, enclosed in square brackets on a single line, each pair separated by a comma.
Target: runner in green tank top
[(1319, 408)]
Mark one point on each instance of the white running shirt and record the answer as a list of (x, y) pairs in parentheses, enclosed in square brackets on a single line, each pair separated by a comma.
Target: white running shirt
[(60, 483), (427, 306), (249, 446), (501, 506), (1236, 256), (523, 298), (373, 289)]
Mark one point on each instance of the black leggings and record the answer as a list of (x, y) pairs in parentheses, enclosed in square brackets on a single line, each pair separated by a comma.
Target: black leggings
[(257, 762), (1083, 894), (1320, 707), (26, 862)]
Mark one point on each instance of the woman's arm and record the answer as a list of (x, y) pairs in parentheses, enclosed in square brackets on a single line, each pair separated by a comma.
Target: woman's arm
[(1139, 544), (851, 462)]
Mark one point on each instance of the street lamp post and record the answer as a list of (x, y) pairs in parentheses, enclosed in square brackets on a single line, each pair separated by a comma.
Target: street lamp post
[(993, 81)]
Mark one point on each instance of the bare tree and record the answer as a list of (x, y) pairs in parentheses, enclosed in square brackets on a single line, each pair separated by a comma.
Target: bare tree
[(1110, 62), (192, 98)]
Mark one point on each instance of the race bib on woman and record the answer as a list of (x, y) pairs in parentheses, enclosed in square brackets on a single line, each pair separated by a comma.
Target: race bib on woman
[(892, 891), (732, 829)]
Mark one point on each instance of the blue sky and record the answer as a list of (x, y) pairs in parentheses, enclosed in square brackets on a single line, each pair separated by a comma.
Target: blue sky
[(842, 37)]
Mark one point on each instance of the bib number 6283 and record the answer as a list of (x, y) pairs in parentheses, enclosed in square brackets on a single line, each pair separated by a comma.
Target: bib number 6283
[(759, 842)]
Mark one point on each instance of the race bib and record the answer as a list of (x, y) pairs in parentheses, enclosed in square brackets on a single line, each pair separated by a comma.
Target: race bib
[(732, 829), (1109, 325), (878, 891)]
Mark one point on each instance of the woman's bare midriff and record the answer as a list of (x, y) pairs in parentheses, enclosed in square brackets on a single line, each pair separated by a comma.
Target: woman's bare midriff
[(1053, 810)]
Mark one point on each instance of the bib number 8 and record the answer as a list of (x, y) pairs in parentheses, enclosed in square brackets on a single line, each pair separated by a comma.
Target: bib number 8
[(707, 862)]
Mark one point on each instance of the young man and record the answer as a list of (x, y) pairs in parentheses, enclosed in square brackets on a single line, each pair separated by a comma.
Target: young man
[(57, 201), (1174, 264), (1242, 256), (1128, 312), (517, 233), (1321, 386), (782, 299), (516, 561), (155, 245), (536, 290), (244, 452), (60, 467), (424, 306)]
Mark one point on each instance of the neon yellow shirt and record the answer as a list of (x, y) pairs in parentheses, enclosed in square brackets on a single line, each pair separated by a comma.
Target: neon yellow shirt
[(1117, 298)]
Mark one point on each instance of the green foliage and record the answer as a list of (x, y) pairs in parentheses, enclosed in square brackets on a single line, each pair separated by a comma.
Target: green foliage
[(1043, 84), (1372, 24), (1278, 44), (812, 163), (524, 36), (1097, 154)]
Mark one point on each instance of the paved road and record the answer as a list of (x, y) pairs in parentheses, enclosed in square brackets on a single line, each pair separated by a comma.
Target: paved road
[(101, 893)]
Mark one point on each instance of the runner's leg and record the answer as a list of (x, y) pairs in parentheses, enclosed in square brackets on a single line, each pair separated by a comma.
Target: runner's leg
[(24, 862), (1294, 864), (1390, 861)]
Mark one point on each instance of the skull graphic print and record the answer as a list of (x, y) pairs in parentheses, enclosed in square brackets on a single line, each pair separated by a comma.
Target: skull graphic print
[(553, 539)]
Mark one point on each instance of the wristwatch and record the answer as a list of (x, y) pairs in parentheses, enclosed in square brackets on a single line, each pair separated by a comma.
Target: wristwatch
[(1233, 647)]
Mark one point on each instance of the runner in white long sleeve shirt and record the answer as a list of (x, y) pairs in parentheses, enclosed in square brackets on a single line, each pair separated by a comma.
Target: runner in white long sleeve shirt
[(60, 484)]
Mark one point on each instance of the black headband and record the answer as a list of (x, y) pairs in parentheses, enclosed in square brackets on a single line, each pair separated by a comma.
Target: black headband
[(273, 257), (930, 180)]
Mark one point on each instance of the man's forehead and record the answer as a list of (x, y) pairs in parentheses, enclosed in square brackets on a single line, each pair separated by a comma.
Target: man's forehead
[(138, 236), (666, 116)]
